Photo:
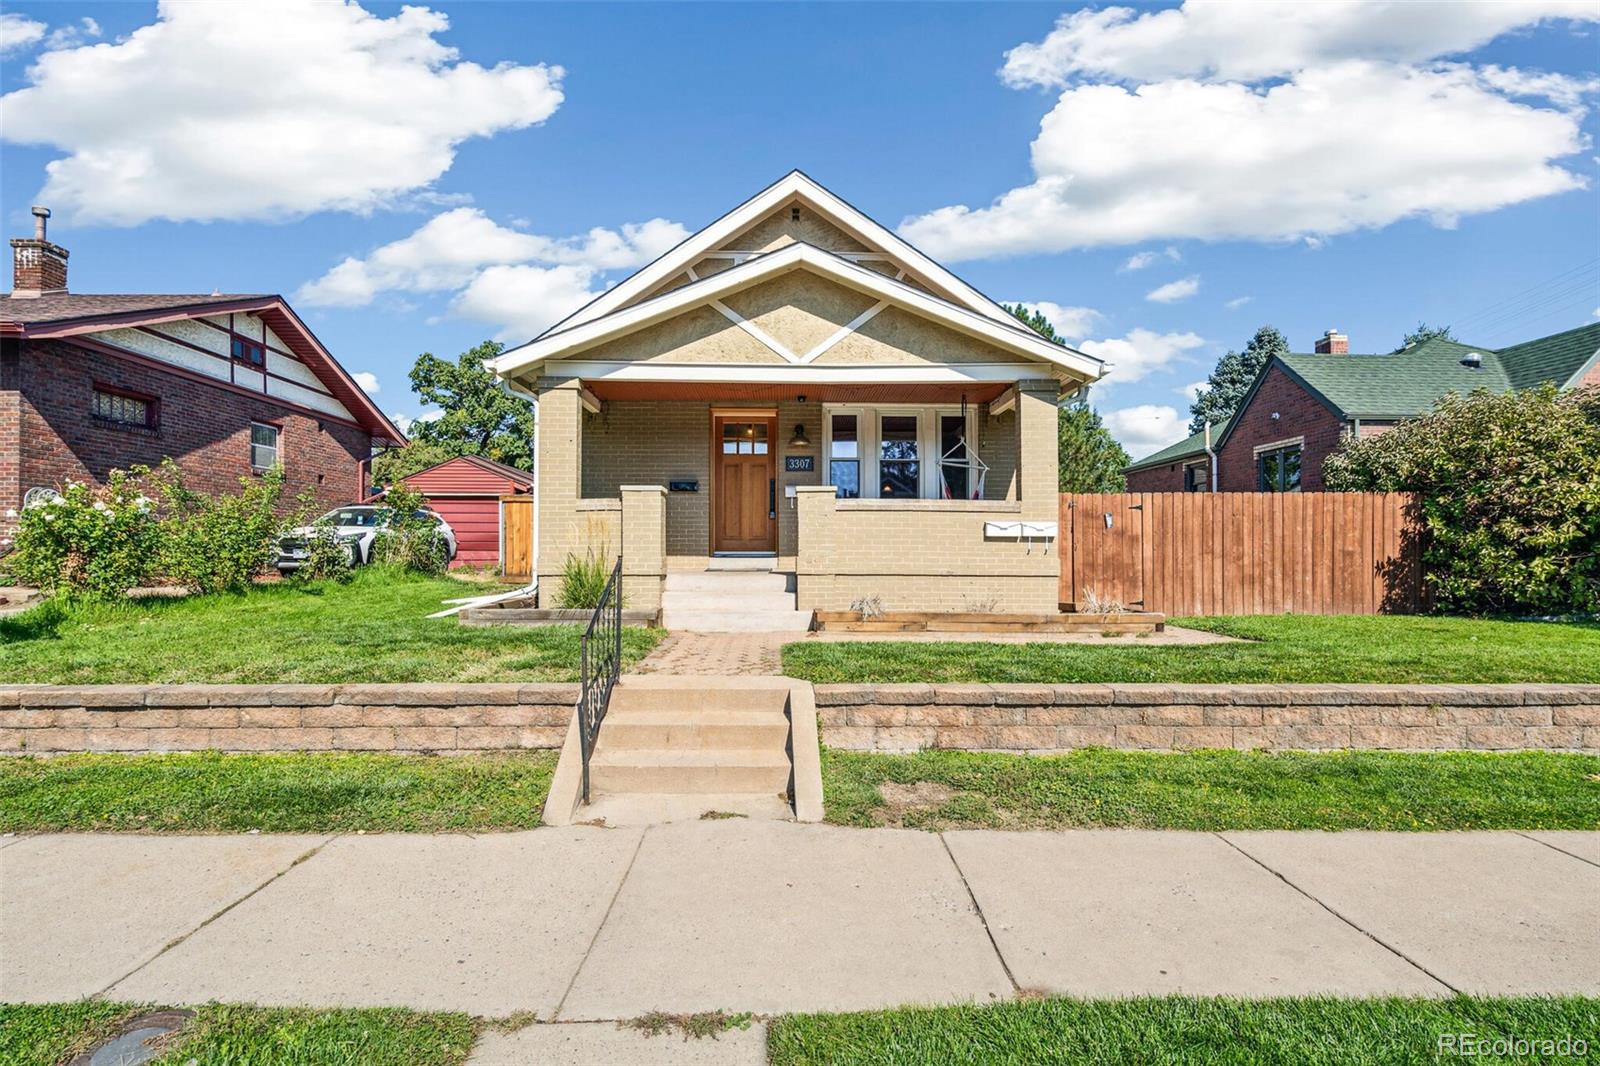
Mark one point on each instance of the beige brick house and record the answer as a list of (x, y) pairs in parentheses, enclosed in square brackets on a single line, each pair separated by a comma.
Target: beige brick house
[(794, 383)]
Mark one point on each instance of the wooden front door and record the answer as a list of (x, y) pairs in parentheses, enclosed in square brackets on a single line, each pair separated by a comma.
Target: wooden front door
[(744, 480)]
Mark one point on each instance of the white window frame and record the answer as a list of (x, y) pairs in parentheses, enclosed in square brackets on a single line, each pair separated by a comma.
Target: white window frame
[(869, 432), (277, 446)]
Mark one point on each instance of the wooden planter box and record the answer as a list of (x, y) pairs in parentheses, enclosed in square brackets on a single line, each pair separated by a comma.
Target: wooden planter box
[(955, 622)]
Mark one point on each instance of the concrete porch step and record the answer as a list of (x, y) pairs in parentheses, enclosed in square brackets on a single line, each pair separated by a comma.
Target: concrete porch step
[(741, 562), (629, 730), (730, 600), (726, 581), (679, 771), (712, 621)]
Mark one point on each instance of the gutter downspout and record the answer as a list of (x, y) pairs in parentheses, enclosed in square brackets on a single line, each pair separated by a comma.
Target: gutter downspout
[(1213, 456), (532, 587)]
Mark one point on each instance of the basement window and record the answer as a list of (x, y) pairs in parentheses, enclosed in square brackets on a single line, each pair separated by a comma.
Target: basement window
[(130, 410), (263, 447)]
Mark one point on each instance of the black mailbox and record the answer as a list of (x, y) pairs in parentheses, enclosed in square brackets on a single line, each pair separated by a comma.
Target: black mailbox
[(683, 486)]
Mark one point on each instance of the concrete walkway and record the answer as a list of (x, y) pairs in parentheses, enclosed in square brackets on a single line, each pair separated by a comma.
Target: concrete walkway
[(584, 924)]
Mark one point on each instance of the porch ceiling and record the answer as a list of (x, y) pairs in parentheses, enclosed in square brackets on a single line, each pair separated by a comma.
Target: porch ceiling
[(751, 392)]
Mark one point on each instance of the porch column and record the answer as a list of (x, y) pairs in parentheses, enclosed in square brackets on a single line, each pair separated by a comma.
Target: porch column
[(1038, 433), (644, 545), (815, 553), (560, 487)]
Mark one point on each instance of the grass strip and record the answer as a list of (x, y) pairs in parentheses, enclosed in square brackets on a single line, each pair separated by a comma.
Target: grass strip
[(277, 793), (1214, 790)]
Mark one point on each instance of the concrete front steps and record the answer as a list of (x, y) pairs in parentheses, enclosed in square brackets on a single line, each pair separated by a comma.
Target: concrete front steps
[(676, 748), (732, 601)]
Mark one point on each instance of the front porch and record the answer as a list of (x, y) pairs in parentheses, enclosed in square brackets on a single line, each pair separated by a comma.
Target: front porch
[(921, 496)]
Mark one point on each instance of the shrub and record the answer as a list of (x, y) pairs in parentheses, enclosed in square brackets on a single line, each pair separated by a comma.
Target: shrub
[(410, 538), (91, 541), (218, 543), (1509, 489), (327, 557), (583, 581)]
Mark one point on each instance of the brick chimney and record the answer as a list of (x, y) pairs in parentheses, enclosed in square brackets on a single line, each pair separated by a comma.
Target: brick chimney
[(37, 266), (1333, 343)]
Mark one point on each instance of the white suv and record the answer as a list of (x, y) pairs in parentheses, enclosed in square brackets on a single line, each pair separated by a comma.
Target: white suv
[(356, 526)]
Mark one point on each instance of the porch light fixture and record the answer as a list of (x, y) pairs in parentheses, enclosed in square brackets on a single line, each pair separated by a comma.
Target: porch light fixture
[(799, 440)]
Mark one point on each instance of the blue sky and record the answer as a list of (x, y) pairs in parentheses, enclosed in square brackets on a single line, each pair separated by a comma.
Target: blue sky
[(1362, 167)]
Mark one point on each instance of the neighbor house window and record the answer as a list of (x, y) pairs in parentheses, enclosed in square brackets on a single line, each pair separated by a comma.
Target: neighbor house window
[(1195, 478), (898, 469), (248, 351), (1278, 469), (263, 446), (123, 408), (844, 456)]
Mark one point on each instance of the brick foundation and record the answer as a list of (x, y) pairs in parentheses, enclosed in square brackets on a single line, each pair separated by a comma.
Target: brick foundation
[(1052, 718)]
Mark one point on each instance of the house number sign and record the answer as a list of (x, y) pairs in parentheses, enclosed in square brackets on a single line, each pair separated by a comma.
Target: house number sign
[(799, 464)]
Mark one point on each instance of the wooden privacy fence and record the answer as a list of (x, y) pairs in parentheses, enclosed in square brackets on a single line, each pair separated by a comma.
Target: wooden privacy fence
[(1193, 553), (516, 537)]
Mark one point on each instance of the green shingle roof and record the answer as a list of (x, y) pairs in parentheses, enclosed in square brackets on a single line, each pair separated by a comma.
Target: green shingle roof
[(1184, 449), (1555, 358)]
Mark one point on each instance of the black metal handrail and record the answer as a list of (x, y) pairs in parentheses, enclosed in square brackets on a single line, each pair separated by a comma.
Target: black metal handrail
[(602, 662)]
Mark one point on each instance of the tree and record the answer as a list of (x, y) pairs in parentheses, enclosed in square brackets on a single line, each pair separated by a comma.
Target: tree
[(1508, 486), (1235, 373), (1425, 332), (477, 416), (398, 463), (1088, 456)]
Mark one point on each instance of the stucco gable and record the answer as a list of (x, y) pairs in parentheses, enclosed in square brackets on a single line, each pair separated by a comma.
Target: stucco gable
[(699, 335), (799, 310), (895, 336), (780, 227)]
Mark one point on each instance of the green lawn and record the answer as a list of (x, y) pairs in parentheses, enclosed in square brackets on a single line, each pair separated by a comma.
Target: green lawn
[(312, 792), (1178, 1031), (225, 1035), (1214, 790), (373, 629), (1298, 648)]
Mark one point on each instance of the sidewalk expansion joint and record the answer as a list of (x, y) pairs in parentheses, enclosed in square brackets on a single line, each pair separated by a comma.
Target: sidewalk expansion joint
[(1369, 935), (304, 857), (1552, 847), (983, 918), (555, 1015)]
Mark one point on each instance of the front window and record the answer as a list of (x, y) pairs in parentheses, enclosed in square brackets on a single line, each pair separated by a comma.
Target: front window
[(263, 446), (1278, 469), (898, 469), (844, 457)]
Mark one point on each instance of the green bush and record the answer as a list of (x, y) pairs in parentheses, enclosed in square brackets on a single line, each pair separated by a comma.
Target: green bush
[(409, 538), (583, 581), (1509, 489), (218, 543), (92, 541), (327, 557)]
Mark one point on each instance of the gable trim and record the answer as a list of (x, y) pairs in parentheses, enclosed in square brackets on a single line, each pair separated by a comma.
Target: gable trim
[(838, 211), (579, 338), (1255, 387)]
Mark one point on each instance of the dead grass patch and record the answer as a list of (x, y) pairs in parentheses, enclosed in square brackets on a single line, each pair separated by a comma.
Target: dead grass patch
[(711, 1023)]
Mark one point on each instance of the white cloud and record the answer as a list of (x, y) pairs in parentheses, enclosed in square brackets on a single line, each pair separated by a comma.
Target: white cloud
[(263, 111), (1348, 146), (367, 380), (1140, 260), (1244, 40), (1238, 302), (1173, 291), (1557, 88), (404, 422), (73, 34), (18, 32), (1070, 323), (1146, 427), (1139, 353), (519, 281), (1192, 391)]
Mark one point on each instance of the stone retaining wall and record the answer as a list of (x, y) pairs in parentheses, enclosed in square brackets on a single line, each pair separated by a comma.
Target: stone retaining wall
[(443, 718), (1046, 718), (451, 718)]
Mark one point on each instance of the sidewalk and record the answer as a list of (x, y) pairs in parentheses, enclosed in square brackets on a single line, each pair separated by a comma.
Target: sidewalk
[(583, 923)]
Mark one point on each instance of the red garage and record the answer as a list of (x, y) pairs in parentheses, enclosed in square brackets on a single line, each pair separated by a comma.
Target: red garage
[(466, 490)]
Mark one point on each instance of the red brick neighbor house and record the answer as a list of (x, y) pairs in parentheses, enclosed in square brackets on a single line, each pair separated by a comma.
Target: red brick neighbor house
[(225, 385), (1301, 406), (467, 492)]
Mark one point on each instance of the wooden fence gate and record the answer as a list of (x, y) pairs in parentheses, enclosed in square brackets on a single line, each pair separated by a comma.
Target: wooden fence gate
[(1194, 553), (516, 537)]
